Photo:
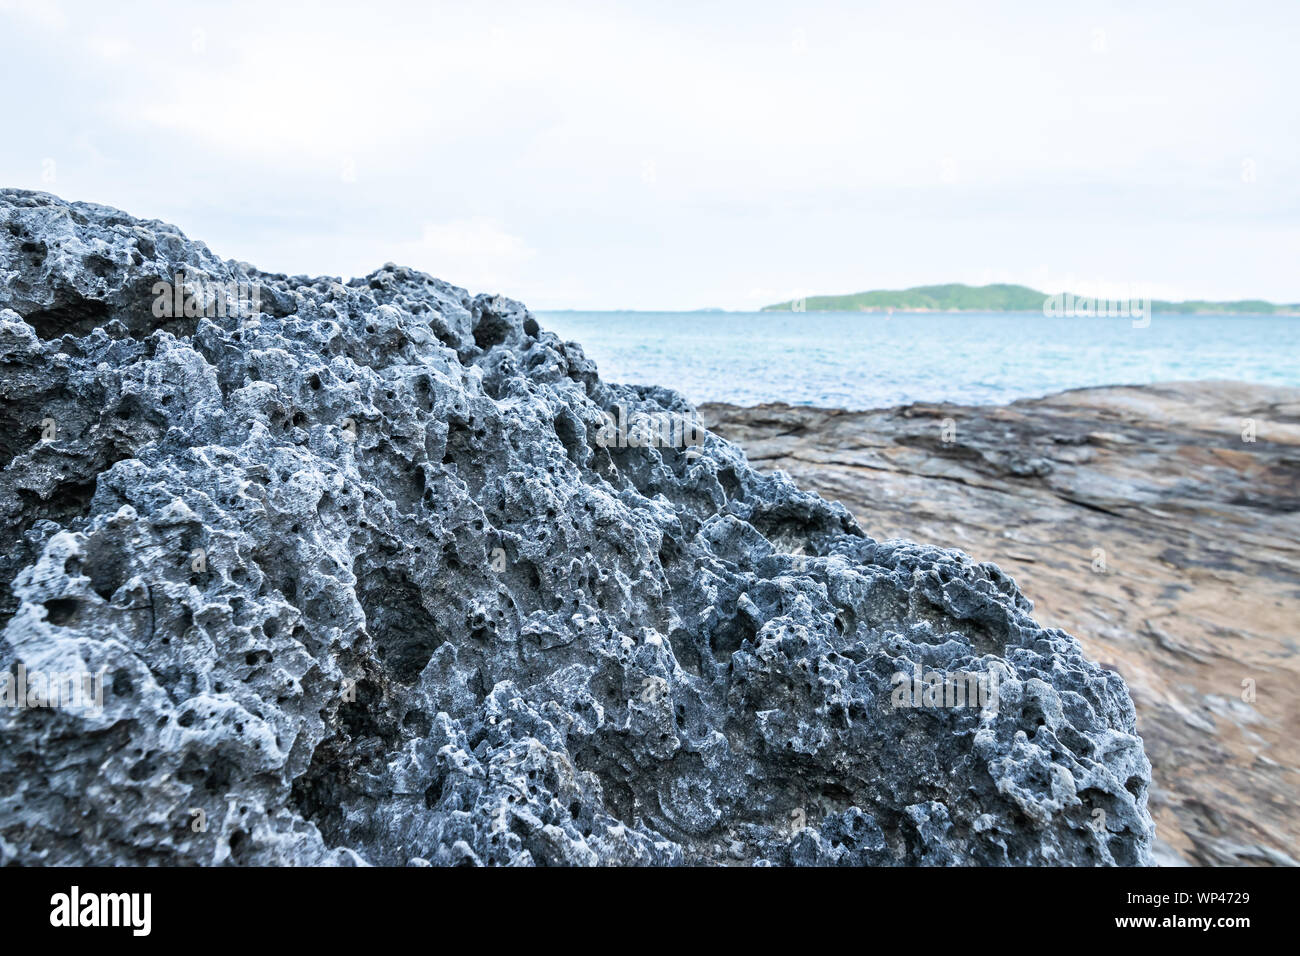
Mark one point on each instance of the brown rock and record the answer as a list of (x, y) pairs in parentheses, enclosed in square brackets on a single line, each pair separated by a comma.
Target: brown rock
[(1140, 519)]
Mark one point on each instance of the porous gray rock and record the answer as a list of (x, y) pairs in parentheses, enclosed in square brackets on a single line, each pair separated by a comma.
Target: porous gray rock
[(368, 585)]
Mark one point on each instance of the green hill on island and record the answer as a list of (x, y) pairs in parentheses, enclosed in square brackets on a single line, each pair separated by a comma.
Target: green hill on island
[(955, 297)]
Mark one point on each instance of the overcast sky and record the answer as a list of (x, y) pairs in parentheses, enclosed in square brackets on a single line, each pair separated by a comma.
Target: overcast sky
[(684, 155)]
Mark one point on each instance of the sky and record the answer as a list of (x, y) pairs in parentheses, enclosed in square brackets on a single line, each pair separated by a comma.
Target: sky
[(683, 155)]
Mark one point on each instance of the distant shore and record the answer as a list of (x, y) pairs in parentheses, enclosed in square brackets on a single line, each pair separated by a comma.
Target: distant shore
[(1143, 520), (956, 297), (1281, 311)]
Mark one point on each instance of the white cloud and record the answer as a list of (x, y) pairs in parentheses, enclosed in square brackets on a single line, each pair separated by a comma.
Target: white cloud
[(478, 254), (43, 13), (110, 48), (680, 156)]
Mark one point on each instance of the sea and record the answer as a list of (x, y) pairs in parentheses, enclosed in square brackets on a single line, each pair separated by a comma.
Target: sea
[(858, 360)]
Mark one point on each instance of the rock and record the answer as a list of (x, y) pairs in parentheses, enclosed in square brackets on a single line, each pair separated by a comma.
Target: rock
[(1163, 535), (369, 582)]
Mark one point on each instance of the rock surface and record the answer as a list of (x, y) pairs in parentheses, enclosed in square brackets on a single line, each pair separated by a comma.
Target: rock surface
[(1141, 519), (367, 587)]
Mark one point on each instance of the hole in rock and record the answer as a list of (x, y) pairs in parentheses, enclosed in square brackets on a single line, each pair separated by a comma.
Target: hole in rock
[(62, 611), (404, 632), (491, 330), (728, 635), (74, 316)]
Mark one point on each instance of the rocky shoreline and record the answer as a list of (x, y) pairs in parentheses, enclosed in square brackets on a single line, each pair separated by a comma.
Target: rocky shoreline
[(365, 581), (1143, 520)]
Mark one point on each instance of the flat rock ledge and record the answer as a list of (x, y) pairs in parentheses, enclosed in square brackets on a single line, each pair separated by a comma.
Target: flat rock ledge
[(1160, 524), (367, 583)]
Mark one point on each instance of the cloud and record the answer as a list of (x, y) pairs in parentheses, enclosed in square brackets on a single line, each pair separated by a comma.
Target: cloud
[(478, 254), (42, 13), (590, 154), (108, 47)]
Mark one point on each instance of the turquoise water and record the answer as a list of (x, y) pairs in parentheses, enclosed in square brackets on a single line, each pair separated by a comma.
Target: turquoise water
[(864, 360)]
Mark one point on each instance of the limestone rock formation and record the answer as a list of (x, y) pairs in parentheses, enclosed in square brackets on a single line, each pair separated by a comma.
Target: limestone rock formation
[(367, 584)]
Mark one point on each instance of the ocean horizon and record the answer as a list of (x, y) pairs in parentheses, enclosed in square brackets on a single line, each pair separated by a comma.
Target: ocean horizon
[(857, 360)]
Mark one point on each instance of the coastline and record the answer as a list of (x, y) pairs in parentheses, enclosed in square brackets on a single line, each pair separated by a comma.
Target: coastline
[(888, 310), (1140, 520)]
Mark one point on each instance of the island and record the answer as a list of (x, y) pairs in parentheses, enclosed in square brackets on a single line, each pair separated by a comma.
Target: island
[(955, 297)]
